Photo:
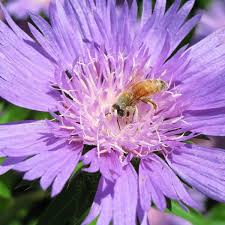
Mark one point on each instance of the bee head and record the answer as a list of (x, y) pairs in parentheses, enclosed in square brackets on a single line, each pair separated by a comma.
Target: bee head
[(116, 107), (163, 85)]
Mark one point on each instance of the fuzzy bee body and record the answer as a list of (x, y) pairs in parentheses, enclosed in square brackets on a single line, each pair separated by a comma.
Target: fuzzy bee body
[(139, 91)]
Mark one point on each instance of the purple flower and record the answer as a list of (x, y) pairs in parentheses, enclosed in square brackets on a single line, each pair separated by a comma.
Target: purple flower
[(22, 8), (76, 69), (212, 19)]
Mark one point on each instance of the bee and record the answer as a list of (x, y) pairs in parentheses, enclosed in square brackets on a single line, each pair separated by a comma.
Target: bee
[(135, 93)]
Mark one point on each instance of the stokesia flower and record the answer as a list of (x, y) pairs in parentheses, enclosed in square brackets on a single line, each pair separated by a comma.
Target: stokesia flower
[(22, 8), (76, 69)]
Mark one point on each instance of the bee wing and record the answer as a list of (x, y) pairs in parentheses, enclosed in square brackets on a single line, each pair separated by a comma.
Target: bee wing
[(142, 89), (135, 79)]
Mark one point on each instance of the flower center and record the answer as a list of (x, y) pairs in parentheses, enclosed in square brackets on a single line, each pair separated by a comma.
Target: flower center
[(108, 109)]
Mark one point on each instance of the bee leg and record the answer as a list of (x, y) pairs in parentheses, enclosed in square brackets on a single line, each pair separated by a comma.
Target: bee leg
[(134, 112), (130, 112), (127, 113), (150, 102), (118, 123)]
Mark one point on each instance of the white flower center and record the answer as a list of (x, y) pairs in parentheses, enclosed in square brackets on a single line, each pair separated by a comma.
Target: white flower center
[(89, 96)]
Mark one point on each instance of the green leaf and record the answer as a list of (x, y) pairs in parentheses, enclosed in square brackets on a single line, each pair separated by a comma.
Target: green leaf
[(215, 222), (78, 167), (72, 204), (13, 113), (41, 115), (217, 212), (2, 160), (191, 215), (15, 223), (4, 191), (16, 208), (93, 222)]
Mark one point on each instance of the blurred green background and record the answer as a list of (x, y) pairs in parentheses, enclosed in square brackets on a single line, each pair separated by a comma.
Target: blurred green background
[(24, 203)]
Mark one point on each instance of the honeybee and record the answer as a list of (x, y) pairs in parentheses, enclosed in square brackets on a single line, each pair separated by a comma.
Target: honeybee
[(139, 91)]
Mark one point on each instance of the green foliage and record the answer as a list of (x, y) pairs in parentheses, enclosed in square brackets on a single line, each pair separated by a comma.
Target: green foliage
[(215, 216), (4, 191), (190, 215), (11, 113), (94, 222), (15, 209), (203, 3), (72, 205)]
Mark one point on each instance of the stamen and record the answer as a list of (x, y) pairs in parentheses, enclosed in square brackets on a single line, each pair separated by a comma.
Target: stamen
[(67, 127), (98, 145)]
